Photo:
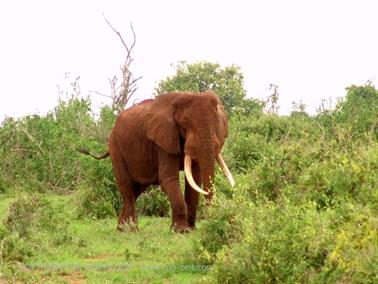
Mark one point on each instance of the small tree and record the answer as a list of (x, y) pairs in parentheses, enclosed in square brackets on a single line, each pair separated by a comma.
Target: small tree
[(271, 103), (226, 82)]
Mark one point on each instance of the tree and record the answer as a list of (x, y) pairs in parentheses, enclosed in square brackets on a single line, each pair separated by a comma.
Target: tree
[(360, 108), (226, 82)]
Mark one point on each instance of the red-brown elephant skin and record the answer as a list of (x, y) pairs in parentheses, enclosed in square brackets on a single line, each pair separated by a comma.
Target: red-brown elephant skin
[(152, 141)]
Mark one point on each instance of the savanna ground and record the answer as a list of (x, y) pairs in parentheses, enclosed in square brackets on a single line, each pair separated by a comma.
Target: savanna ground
[(97, 253), (304, 209)]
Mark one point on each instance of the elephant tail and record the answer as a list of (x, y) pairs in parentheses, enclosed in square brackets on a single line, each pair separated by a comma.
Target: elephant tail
[(86, 152)]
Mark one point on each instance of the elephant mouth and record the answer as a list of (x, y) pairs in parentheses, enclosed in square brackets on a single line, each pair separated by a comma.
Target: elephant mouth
[(189, 175)]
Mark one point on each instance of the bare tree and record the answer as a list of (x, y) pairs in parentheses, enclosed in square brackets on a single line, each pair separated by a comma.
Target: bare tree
[(271, 103), (121, 93)]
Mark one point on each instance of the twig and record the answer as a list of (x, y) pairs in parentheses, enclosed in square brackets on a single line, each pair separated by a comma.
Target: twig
[(100, 94), (32, 139), (119, 34)]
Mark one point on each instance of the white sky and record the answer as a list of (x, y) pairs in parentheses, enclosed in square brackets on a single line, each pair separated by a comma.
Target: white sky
[(311, 49)]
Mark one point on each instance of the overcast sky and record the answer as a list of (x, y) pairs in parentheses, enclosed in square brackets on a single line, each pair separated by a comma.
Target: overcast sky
[(311, 49)]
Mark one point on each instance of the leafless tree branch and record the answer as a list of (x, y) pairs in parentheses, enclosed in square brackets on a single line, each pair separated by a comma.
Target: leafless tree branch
[(121, 93), (100, 94), (118, 33)]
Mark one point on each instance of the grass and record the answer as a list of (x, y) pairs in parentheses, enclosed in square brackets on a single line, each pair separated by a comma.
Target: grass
[(98, 253)]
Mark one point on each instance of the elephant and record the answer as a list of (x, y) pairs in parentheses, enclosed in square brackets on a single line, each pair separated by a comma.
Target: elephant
[(155, 139)]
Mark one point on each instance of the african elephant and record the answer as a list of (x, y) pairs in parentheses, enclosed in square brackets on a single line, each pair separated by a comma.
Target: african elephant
[(155, 139)]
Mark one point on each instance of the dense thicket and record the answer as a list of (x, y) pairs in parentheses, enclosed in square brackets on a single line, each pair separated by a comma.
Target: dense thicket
[(304, 209)]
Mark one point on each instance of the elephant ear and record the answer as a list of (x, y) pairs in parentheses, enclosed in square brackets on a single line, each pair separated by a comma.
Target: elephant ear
[(160, 125)]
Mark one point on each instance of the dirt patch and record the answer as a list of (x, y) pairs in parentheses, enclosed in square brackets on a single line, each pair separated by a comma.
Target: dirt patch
[(74, 277), (3, 280)]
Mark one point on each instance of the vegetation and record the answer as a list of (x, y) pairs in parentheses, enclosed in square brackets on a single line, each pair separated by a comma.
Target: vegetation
[(226, 82), (304, 209)]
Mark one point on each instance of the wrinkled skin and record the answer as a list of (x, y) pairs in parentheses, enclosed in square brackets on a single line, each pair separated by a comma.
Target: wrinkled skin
[(148, 143)]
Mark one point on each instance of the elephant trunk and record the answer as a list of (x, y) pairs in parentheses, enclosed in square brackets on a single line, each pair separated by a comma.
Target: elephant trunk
[(206, 161), (206, 157)]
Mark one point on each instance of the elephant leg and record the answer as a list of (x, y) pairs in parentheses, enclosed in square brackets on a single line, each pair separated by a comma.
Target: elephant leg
[(192, 196), (139, 189), (170, 184), (127, 190), (128, 215)]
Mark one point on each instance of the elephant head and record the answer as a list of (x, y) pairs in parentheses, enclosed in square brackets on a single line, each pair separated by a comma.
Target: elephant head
[(193, 126)]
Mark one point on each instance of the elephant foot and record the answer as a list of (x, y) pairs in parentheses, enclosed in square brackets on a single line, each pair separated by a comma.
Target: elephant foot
[(181, 230), (192, 227), (129, 226), (192, 222), (181, 227)]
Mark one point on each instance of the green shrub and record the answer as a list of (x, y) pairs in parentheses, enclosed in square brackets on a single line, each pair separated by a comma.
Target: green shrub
[(153, 202), (303, 185), (221, 228), (354, 257), (279, 244), (29, 218), (98, 202), (359, 109), (346, 176), (39, 152), (253, 138)]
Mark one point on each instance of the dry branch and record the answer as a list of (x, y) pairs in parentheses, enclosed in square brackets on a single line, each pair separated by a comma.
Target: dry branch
[(122, 93)]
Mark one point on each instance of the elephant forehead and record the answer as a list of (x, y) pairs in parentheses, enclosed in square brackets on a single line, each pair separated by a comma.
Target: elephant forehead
[(209, 102)]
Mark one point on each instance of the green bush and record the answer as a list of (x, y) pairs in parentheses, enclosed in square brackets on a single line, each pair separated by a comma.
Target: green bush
[(359, 109), (223, 227), (253, 138), (354, 257), (39, 152), (279, 244), (28, 219), (303, 209), (98, 196), (345, 176), (153, 202), (97, 202)]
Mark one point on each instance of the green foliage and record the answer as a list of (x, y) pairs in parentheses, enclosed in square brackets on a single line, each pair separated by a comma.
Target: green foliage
[(359, 109), (153, 202), (280, 244), (304, 208), (98, 202), (354, 255), (99, 196), (345, 176), (357, 112), (28, 219), (226, 82), (222, 227), (37, 149)]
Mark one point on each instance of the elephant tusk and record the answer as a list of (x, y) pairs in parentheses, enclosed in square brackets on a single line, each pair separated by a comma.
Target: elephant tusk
[(225, 170), (189, 175)]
